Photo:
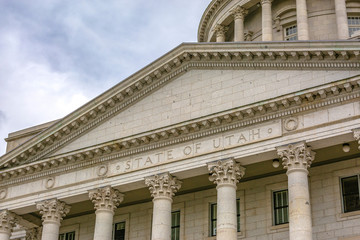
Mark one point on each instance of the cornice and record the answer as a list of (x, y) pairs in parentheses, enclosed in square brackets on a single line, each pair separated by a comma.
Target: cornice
[(310, 55), (307, 100)]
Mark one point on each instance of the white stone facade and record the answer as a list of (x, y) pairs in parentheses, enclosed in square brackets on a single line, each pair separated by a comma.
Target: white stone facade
[(233, 111)]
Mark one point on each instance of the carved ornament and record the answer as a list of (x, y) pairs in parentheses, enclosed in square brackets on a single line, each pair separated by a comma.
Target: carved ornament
[(33, 233), (53, 210), (296, 156), (220, 30), (357, 136), (7, 221), (226, 172), (239, 12), (106, 198), (163, 185)]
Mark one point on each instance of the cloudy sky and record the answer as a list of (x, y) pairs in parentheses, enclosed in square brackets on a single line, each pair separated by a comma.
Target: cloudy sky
[(56, 55)]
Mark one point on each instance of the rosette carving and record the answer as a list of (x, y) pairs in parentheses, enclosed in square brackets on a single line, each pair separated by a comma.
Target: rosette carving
[(53, 210), (226, 172), (106, 198), (7, 221), (163, 185), (296, 156)]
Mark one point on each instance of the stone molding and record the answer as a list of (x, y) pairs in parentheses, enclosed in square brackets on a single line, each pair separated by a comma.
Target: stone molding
[(256, 57), (239, 12), (319, 97), (163, 185), (106, 198), (225, 172), (220, 30), (357, 136), (7, 221), (53, 210), (296, 157)]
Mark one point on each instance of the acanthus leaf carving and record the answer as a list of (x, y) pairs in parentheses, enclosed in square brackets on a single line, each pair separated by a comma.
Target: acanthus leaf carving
[(7, 221), (106, 198), (53, 210), (226, 172), (163, 185)]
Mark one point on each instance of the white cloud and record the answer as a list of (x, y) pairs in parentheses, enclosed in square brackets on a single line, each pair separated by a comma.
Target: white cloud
[(56, 55)]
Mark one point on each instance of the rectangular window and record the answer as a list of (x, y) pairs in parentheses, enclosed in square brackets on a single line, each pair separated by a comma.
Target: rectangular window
[(350, 193), (281, 207), (354, 24), (175, 225), (213, 217), (119, 231), (290, 33), (67, 236)]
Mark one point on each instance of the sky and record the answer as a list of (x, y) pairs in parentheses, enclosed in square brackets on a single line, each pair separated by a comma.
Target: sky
[(56, 55)]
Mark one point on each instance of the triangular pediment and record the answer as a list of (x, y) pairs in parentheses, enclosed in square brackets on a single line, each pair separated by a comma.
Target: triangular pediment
[(190, 83)]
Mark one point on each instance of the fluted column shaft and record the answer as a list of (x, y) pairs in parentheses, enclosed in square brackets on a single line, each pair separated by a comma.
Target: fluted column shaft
[(302, 20), (52, 212), (226, 174), (341, 19), (162, 188), (267, 31), (297, 158), (239, 16), (7, 222), (105, 200)]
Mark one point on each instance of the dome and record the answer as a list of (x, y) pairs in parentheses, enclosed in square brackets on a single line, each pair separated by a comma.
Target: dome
[(279, 20)]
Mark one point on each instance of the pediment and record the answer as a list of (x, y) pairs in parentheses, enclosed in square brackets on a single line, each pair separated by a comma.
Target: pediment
[(185, 75)]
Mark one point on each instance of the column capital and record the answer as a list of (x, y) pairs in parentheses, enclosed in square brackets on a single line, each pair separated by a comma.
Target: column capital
[(297, 156), (106, 198), (7, 221), (262, 2), (220, 30), (225, 172), (239, 12), (33, 233), (53, 210), (357, 135), (163, 185)]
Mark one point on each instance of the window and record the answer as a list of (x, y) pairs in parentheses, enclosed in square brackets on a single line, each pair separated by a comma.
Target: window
[(67, 236), (119, 231), (281, 207), (213, 217), (354, 24), (175, 225), (350, 193), (290, 33)]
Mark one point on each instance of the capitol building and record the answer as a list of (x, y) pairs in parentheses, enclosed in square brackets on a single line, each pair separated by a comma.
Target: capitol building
[(251, 133)]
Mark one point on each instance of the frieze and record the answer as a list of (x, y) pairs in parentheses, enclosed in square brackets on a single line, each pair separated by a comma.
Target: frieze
[(222, 142)]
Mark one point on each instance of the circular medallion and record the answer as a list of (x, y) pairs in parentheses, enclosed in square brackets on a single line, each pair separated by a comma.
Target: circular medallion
[(3, 193), (50, 182), (102, 170), (291, 124)]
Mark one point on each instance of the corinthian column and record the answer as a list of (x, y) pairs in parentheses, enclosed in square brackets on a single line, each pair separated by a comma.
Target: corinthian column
[(302, 20), (266, 20), (105, 200), (162, 188), (220, 31), (226, 174), (239, 16), (7, 222), (341, 19), (52, 212), (297, 158)]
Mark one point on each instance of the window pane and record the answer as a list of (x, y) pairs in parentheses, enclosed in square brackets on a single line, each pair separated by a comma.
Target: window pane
[(238, 214), (119, 231), (350, 191), (62, 237), (175, 225), (281, 207), (213, 217)]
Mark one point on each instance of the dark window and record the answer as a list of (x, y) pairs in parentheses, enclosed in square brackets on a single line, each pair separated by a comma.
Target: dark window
[(119, 231), (175, 225), (281, 207), (67, 236), (354, 24), (213, 217), (350, 193)]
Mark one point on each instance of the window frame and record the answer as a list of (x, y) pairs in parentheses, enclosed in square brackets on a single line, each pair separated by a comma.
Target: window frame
[(176, 226), (274, 210), (114, 225), (288, 37), (342, 193), (66, 233), (355, 26)]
